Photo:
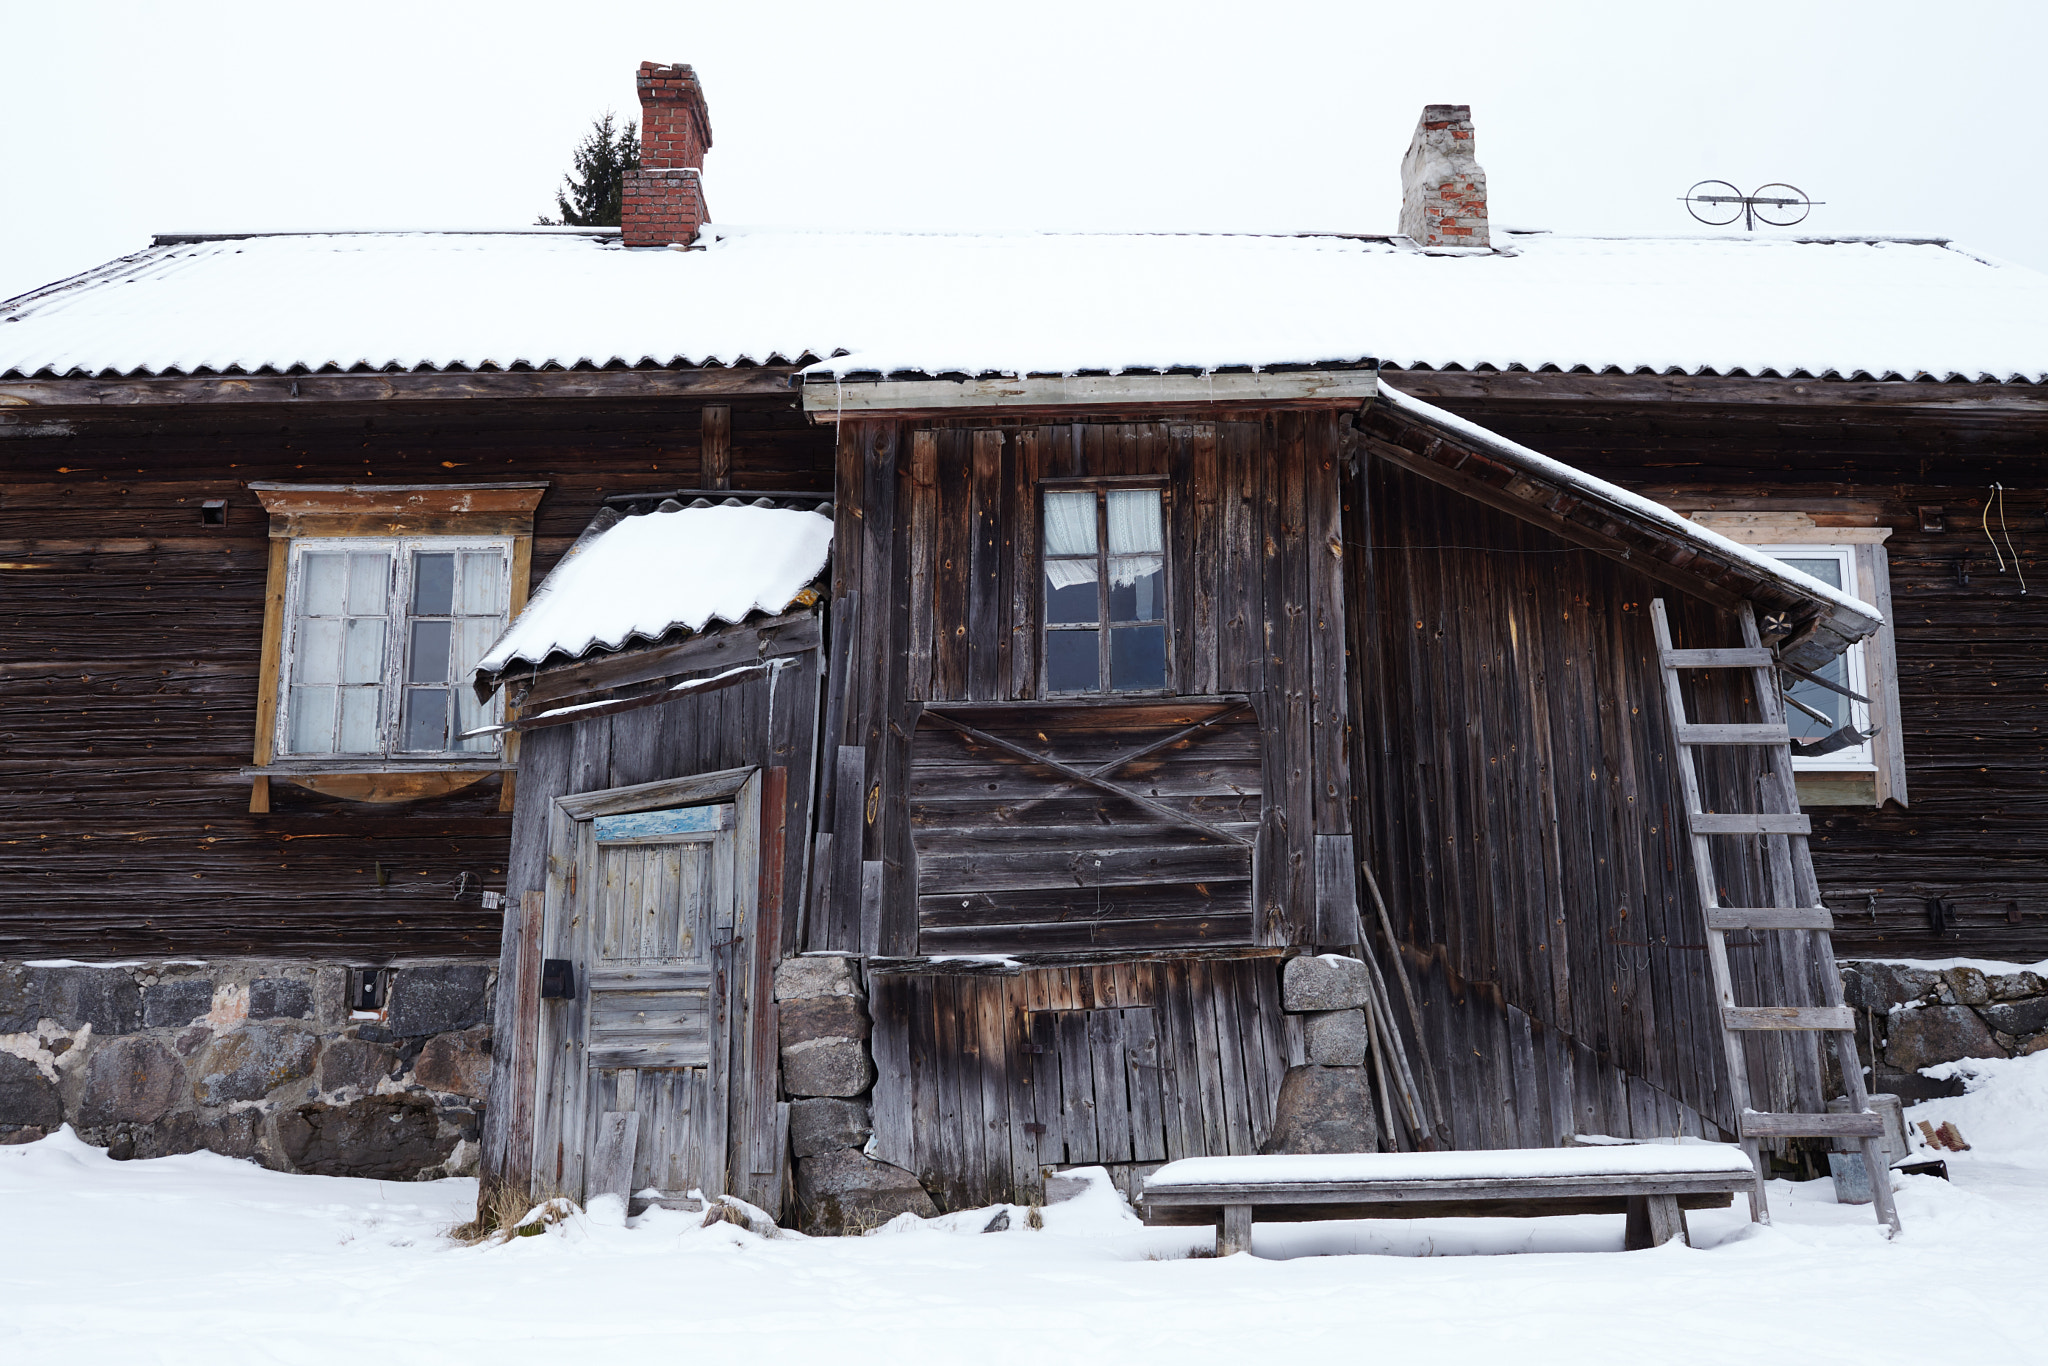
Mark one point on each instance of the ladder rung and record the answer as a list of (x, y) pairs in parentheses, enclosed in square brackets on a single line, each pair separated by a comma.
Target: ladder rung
[(1756, 1124), (1718, 659), (1751, 823), (1788, 1017), (1733, 735), (1770, 918)]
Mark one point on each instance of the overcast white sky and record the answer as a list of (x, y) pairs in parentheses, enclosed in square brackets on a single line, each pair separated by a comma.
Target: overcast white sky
[(127, 119)]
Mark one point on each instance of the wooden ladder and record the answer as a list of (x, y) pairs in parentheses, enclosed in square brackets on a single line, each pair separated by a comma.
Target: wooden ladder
[(1792, 869)]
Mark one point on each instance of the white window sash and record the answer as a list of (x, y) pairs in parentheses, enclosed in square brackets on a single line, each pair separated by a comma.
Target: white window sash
[(1863, 757), (397, 617)]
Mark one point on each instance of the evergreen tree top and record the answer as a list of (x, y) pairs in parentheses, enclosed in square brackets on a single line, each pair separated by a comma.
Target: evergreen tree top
[(592, 192)]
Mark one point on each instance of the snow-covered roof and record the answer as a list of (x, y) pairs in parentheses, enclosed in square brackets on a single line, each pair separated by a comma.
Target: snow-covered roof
[(676, 568), (1043, 303)]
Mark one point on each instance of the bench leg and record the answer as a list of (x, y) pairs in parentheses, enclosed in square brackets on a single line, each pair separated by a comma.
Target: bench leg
[(1234, 1230), (1654, 1220)]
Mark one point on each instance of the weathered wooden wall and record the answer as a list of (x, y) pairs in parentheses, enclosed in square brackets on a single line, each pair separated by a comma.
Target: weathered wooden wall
[(769, 722), (1517, 771), (1972, 647), (129, 635), (1016, 858), (986, 1080), (937, 538)]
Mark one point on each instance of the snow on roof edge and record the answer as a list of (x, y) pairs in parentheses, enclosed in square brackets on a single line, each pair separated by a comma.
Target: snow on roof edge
[(1596, 489)]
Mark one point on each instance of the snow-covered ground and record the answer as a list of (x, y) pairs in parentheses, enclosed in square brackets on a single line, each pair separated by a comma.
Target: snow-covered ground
[(204, 1259)]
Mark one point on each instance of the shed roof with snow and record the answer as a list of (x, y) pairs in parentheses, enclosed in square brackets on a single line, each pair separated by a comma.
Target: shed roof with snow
[(642, 578), (1035, 303)]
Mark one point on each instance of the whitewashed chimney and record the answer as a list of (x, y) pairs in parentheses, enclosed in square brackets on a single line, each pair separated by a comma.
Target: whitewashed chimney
[(1443, 191)]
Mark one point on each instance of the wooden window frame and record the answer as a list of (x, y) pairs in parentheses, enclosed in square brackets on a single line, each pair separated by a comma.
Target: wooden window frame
[(404, 553), (301, 513), (1101, 486)]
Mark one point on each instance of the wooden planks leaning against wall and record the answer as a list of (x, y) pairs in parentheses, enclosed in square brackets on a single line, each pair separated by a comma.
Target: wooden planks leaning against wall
[(987, 1080)]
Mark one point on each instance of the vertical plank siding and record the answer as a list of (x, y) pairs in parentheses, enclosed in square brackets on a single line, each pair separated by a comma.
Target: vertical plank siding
[(767, 723), (1522, 817), (1009, 1075)]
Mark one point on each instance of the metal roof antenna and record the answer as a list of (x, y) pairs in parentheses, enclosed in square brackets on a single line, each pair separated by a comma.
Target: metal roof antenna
[(1706, 202)]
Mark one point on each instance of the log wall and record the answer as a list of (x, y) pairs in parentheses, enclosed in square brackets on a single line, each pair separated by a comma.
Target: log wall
[(129, 653)]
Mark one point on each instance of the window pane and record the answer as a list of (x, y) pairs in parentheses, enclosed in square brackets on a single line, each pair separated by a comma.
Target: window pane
[(469, 714), (482, 571), (369, 584), (1070, 523), (433, 585), (426, 719), (472, 638), (1134, 524), (1137, 588), (1071, 662), (1070, 591), (1137, 658), (1833, 704), (319, 659), (325, 578), (359, 720), (427, 659), (312, 720), (362, 652), (1826, 568)]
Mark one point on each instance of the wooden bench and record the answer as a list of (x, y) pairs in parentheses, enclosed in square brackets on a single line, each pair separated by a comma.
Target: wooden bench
[(1652, 1183)]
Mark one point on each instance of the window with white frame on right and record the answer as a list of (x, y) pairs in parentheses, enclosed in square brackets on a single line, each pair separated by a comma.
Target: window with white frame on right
[(1835, 566)]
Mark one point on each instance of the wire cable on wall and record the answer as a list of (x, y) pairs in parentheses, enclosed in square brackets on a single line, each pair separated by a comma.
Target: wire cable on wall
[(1998, 492)]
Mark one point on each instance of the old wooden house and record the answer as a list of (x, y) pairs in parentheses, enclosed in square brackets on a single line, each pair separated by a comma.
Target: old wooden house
[(940, 720)]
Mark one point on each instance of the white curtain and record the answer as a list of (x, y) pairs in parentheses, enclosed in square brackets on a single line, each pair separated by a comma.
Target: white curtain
[(1136, 538), (1069, 530)]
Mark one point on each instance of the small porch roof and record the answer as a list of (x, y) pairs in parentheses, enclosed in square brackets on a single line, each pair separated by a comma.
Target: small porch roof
[(641, 578), (1466, 457)]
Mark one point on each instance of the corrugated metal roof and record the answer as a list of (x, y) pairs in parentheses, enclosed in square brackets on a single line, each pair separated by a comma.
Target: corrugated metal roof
[(641, 577), (1046, 303)]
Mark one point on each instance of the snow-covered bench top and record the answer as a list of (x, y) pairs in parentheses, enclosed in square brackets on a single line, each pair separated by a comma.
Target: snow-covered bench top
[(1653, 1183), (1633, 1159)]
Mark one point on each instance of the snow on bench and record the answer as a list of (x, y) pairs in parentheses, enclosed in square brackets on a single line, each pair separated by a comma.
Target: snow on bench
[(1653, 1183)]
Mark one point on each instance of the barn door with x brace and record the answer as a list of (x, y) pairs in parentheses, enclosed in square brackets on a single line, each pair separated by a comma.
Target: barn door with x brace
[(647, 886)]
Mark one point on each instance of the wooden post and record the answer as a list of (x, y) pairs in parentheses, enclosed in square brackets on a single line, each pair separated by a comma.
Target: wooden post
[(1234, 1230), (716, 452), (1654, 1220)]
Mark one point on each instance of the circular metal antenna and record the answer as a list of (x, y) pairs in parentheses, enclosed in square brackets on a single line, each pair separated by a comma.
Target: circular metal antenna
[(1710, 200), (1718, 204), (1782, 209)]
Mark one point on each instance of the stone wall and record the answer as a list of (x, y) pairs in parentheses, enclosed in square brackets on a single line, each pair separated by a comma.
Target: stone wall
[(250, 1058), (828, 1073), (1913, 1017)]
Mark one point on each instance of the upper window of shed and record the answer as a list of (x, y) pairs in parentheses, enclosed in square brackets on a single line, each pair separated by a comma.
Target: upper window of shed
[(1105, 626)]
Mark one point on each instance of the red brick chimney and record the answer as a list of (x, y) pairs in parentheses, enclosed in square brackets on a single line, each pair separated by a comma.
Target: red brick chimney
[(664, 199), (1443, 191)]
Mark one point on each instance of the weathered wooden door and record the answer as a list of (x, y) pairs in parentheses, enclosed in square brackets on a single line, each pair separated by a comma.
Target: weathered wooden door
[(644, 908)]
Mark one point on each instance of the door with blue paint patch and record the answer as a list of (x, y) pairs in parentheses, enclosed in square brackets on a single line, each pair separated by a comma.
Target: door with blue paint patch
[(658, 906)]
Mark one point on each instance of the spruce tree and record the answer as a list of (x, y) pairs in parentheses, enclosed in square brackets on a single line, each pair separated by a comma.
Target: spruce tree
[(590, 196)]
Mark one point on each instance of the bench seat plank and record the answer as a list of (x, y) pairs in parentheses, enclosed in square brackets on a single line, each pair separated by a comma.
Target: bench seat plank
[(1651, 1182)]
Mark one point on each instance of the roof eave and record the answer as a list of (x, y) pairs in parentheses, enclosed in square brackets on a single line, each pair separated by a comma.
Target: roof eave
[(1604, 518)]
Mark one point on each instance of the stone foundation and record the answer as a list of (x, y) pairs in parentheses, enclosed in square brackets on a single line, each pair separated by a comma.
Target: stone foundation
[(1325, 1103), (829, 1074), (1911, 1017), (251, 1058)]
